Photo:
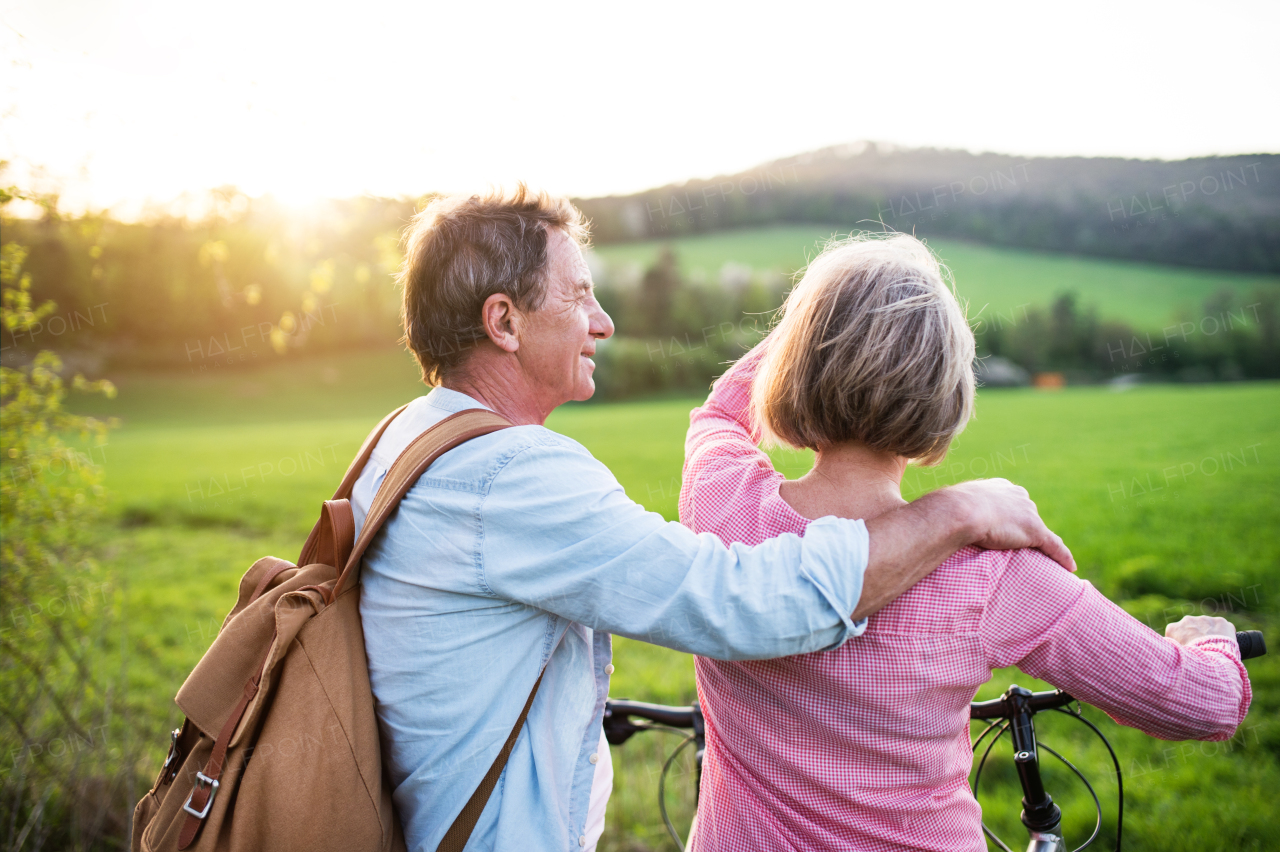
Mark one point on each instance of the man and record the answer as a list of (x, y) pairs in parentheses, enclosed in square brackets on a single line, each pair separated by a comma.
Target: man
[(518, 551)]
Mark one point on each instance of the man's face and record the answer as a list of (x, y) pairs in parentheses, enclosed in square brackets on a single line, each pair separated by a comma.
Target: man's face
[(558, 340)]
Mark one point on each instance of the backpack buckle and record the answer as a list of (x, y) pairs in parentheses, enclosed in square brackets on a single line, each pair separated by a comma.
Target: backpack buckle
[(202, 780), (175, 754)]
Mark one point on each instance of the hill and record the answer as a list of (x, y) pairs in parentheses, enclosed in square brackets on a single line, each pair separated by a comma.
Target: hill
[(1208, 212)]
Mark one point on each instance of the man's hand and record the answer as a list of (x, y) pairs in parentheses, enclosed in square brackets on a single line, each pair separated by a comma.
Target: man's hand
[(1193, 627), (1001, 516), (910, 541)]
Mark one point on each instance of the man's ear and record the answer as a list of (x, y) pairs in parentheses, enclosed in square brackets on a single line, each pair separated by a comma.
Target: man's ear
[(501, 320)]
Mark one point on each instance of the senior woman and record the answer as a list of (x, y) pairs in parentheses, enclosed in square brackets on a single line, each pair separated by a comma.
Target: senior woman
[(867, 746)]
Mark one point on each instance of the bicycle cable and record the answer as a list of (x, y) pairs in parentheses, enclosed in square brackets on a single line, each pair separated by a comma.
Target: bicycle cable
[(665, 729), (662, 784), (986, 731), (1097, 804), (1115, 761)]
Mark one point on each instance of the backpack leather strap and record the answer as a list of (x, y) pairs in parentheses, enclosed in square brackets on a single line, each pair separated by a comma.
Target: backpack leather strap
[(347, 484), (408, 468), (362, 457), (207, 779), (460, 832)]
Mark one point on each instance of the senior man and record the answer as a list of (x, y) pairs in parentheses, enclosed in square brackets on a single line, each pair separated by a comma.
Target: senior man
[(518, 554)]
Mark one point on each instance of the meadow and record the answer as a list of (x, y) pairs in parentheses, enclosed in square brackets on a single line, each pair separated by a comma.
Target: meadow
[(1168, 495), (995, 281)]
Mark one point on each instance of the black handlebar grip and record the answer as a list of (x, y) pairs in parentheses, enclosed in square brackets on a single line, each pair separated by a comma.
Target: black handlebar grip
[(1251, 644)]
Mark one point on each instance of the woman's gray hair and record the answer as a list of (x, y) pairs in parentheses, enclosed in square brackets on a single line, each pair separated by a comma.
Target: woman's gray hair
[(459, 251), (872, 346)]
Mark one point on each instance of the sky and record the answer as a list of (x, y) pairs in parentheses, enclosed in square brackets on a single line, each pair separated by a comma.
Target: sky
[(123, 103)]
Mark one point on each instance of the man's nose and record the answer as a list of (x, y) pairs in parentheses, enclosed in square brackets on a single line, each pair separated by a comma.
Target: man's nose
[(601, 324)]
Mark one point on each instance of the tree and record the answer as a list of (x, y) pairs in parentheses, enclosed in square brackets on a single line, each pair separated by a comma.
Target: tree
[(658, 291)]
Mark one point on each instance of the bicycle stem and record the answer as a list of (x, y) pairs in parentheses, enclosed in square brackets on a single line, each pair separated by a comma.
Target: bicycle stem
[(1039, 813)]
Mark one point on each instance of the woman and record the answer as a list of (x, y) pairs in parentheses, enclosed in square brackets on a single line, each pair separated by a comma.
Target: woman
[(867, 746)]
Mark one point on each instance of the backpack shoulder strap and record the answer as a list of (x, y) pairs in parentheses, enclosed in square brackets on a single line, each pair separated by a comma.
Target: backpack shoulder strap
[(455, 840), (328, 542), (362, 457), (454, 430), (408, 467)]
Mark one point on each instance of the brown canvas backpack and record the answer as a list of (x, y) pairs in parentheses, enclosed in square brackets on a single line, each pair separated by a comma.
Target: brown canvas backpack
[(279, 750)]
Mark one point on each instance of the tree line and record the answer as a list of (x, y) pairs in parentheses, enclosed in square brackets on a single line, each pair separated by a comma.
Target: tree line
[(253, 281), (247, 283), (677, 335)]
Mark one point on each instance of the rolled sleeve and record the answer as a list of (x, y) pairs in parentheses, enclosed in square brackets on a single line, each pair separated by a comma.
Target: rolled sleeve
[(835, 559)]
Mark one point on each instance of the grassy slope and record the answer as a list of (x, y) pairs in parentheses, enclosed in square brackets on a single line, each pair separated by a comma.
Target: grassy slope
[(180, 548), (1146, 295)]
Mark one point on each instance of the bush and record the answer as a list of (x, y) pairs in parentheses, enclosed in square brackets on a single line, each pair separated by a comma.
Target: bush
[(65, 778)]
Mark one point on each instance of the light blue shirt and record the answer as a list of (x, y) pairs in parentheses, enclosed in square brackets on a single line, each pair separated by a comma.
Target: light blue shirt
[(519, 550)]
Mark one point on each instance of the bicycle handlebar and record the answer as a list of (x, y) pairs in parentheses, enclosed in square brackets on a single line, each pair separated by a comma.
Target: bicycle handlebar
[(1252, 644), (999, 708), (676, 717), (618, 713)]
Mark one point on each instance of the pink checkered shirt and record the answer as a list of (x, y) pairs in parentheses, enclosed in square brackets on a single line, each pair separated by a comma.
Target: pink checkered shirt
[(867, 746)]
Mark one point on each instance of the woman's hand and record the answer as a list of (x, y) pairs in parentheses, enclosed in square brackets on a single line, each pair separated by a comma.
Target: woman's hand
[(1193, 627)]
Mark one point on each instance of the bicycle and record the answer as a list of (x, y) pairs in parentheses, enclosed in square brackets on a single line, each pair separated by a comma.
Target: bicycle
[(1013, 711)]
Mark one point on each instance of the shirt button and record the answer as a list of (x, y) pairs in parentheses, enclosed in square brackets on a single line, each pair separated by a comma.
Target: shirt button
[(608, 669), (582, 840), (595, 758)]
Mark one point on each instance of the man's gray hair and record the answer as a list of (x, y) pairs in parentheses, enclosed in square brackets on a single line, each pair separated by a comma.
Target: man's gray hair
[(459, 251), (872, 346)]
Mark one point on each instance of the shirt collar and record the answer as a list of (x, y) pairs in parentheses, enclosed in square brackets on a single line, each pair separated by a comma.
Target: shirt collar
[(452, 401)]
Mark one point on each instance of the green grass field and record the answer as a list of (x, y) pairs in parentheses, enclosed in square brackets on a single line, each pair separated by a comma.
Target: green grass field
[(208, 472), (1000, 280)]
